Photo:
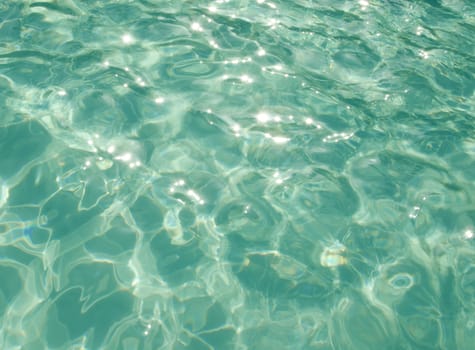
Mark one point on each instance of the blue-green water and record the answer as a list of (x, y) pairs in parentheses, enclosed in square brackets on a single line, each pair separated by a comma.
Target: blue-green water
[(246, 174)]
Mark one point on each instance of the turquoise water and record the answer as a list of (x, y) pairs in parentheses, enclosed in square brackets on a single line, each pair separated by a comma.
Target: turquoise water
[(245, 174)]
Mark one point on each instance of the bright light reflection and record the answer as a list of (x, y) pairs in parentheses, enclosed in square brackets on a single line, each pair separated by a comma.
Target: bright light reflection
[(178, 183), (278, 178), (246, 79), (423, 54), (337, 137), (280, 139), (468, 234), (236, 127), (364, 4), (126, 157), (159, 100), (261, 52), (196, 27), (128, 39), (134, 164), (263, 117), (273, 22), (192, 194)]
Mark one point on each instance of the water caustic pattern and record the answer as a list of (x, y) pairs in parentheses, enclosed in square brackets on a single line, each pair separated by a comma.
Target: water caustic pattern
[(237, 174)]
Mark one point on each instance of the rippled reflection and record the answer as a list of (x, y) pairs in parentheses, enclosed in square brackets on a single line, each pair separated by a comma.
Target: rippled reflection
[(249, 174)]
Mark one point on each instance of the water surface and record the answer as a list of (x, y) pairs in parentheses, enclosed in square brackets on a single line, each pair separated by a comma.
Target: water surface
[(237, 174)]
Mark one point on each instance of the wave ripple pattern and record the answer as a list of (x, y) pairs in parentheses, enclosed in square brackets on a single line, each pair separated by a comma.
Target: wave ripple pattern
[(237, 174)]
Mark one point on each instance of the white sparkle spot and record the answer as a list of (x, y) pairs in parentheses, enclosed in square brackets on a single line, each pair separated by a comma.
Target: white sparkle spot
[(196, 27), (308, 121), (337, 137), (180, 182), (128, 39), (468, 234), (111, 149), (212, 9), (280, 140), (423, 54), (272, 22), (126, 85), (126, 157), (159, 100), (62, 93), (263, 117), (236, 127), (415, 212), (261, 52), (193, 195), (246, 79), (364, 4)]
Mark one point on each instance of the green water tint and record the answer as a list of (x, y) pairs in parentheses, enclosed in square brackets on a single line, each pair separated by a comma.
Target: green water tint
[(237, 175)]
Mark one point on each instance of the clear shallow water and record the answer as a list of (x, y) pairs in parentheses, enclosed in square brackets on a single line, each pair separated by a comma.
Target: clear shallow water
[(237, 175)]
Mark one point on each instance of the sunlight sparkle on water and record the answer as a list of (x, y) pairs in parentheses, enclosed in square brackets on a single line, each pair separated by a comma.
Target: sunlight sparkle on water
[(195, 26), (128, 39)]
